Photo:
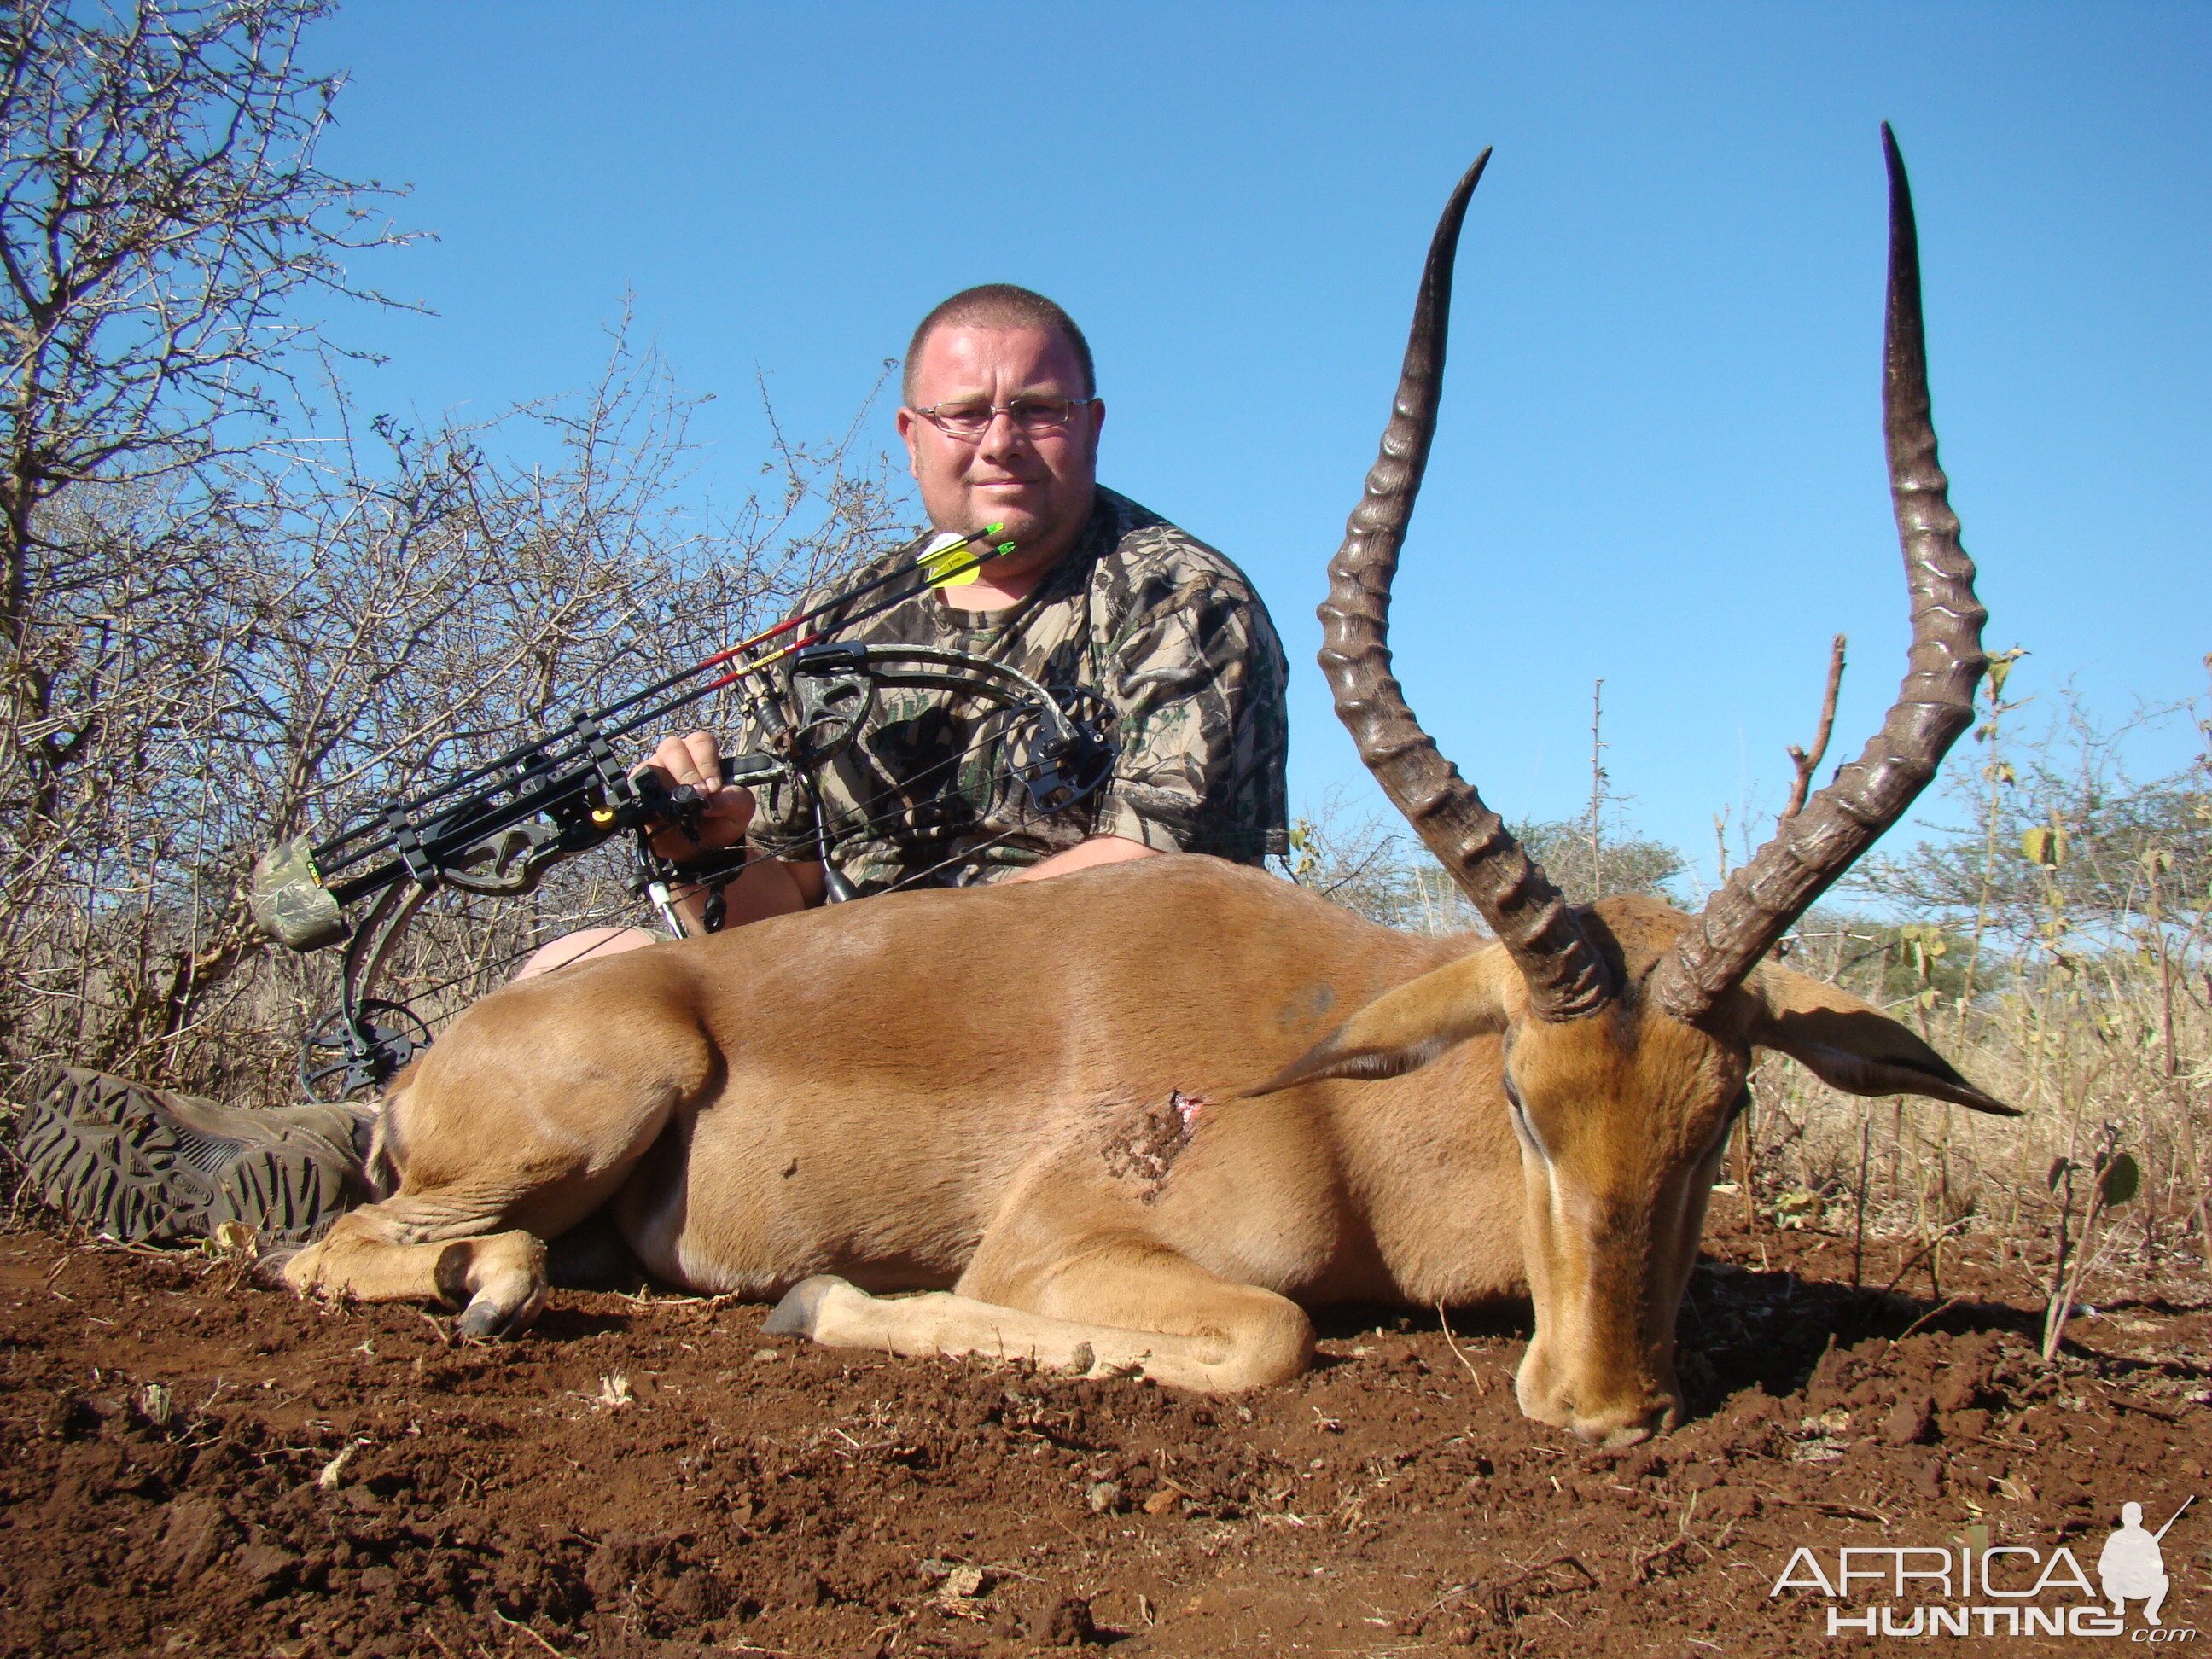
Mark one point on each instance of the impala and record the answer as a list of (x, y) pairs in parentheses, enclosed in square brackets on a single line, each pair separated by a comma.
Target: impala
[(1141, 1118)]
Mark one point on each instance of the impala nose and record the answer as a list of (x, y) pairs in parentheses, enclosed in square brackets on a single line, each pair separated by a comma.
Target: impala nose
[(1630, 1423)]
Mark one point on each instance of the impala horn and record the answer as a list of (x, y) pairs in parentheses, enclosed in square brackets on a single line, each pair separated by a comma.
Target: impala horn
[(1565, 977), (1742, 923)]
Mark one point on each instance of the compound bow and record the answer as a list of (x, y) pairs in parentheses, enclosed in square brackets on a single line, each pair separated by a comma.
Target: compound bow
[(497, 829)]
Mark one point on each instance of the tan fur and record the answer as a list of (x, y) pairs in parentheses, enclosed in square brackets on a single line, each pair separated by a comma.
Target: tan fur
[(988, 1097)]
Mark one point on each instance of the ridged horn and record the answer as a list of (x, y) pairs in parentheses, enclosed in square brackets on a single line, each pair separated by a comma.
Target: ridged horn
[(1742, 923), (1566, 979)]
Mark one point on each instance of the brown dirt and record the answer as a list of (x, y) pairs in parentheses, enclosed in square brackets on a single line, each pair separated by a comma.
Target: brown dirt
[(191, 1464)]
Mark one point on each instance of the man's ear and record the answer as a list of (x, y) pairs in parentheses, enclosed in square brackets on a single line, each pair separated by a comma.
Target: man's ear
[(1404, 1029), (1852, 1046)]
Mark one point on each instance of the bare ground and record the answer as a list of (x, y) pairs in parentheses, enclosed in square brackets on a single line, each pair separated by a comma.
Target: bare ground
[(193, 1464)]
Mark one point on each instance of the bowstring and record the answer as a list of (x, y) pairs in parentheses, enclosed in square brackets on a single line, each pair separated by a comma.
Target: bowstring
[(992, 728), (908, 796)]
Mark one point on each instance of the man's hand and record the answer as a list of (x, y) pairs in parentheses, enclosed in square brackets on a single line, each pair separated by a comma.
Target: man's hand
[(1086, 855), (694, 759)]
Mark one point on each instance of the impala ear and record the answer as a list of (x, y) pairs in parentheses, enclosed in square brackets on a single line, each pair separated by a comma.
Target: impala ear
[(1851, 1045), (1404, 1029)]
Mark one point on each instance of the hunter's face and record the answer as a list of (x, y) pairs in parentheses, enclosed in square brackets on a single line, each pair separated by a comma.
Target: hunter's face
[(1039, 483)]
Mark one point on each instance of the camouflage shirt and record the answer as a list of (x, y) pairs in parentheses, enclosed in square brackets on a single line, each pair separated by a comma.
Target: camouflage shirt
[(1149, 633)]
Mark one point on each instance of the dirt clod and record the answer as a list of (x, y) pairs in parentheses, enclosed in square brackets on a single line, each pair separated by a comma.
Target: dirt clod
[(1908, 1420), (1070, 1624)]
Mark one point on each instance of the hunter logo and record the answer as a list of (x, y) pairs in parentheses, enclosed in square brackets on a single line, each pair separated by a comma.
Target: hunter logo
[(1984, 1590)]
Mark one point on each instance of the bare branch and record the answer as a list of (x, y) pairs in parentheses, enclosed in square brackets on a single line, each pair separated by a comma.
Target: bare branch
[(1808, 762)]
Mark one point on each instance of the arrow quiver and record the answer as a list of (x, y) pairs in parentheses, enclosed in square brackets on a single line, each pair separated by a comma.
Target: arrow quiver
[(497, 829)]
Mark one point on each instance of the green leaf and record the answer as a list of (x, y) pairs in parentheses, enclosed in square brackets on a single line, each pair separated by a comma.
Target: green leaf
[(2121, 1180), (2045, 846)]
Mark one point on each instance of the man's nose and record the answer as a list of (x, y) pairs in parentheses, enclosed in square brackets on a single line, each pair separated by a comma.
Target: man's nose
[(1001, 436)]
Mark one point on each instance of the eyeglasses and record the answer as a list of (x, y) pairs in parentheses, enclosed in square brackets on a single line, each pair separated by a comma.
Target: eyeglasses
[(1034, 417)]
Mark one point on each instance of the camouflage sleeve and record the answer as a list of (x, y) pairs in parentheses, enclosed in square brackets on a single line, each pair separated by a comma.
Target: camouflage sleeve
[(782, 826), (1197, 682)]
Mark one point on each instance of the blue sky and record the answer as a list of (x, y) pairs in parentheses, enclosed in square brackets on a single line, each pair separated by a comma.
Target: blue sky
[(1660, 458)]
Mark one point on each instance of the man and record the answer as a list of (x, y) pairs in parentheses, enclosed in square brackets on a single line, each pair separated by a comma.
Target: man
[(2131, 1565), (1159, 636)]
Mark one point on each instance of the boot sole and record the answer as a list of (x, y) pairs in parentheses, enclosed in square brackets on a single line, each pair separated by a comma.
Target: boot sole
[(114, 1160)]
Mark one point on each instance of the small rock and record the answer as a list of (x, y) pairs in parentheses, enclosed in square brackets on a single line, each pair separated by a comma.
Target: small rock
[(1928, 1478), (1957, 1390), (695, 1597), (963, 1583), (1831, 1376), (1971, 1423), (1907, 1421), (195, 1534), (764, 1355), (1070, 1623), (1104, 1498), (1161, 1500), (68, 1416), (263, 1565)]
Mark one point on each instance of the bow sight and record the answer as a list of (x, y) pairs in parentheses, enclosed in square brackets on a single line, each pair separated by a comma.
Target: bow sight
[(497, 829)]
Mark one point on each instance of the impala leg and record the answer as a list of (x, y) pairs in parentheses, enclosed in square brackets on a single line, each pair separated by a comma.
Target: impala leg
[(1117, 1306), (496, 1157), (476, 1245), (403, 1250)]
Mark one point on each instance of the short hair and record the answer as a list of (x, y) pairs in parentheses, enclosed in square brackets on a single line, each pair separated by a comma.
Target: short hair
[(999, 305)]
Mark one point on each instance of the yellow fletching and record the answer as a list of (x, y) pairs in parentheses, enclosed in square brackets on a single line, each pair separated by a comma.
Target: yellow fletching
[(958, 563), (952, 566)]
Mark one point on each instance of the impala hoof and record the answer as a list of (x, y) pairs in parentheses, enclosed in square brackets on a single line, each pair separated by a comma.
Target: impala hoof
[(268, 1270), (489, 1319), (795, 1314)]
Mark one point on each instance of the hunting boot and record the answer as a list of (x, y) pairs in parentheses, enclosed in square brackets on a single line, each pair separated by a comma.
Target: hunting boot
[(143, 1164)]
